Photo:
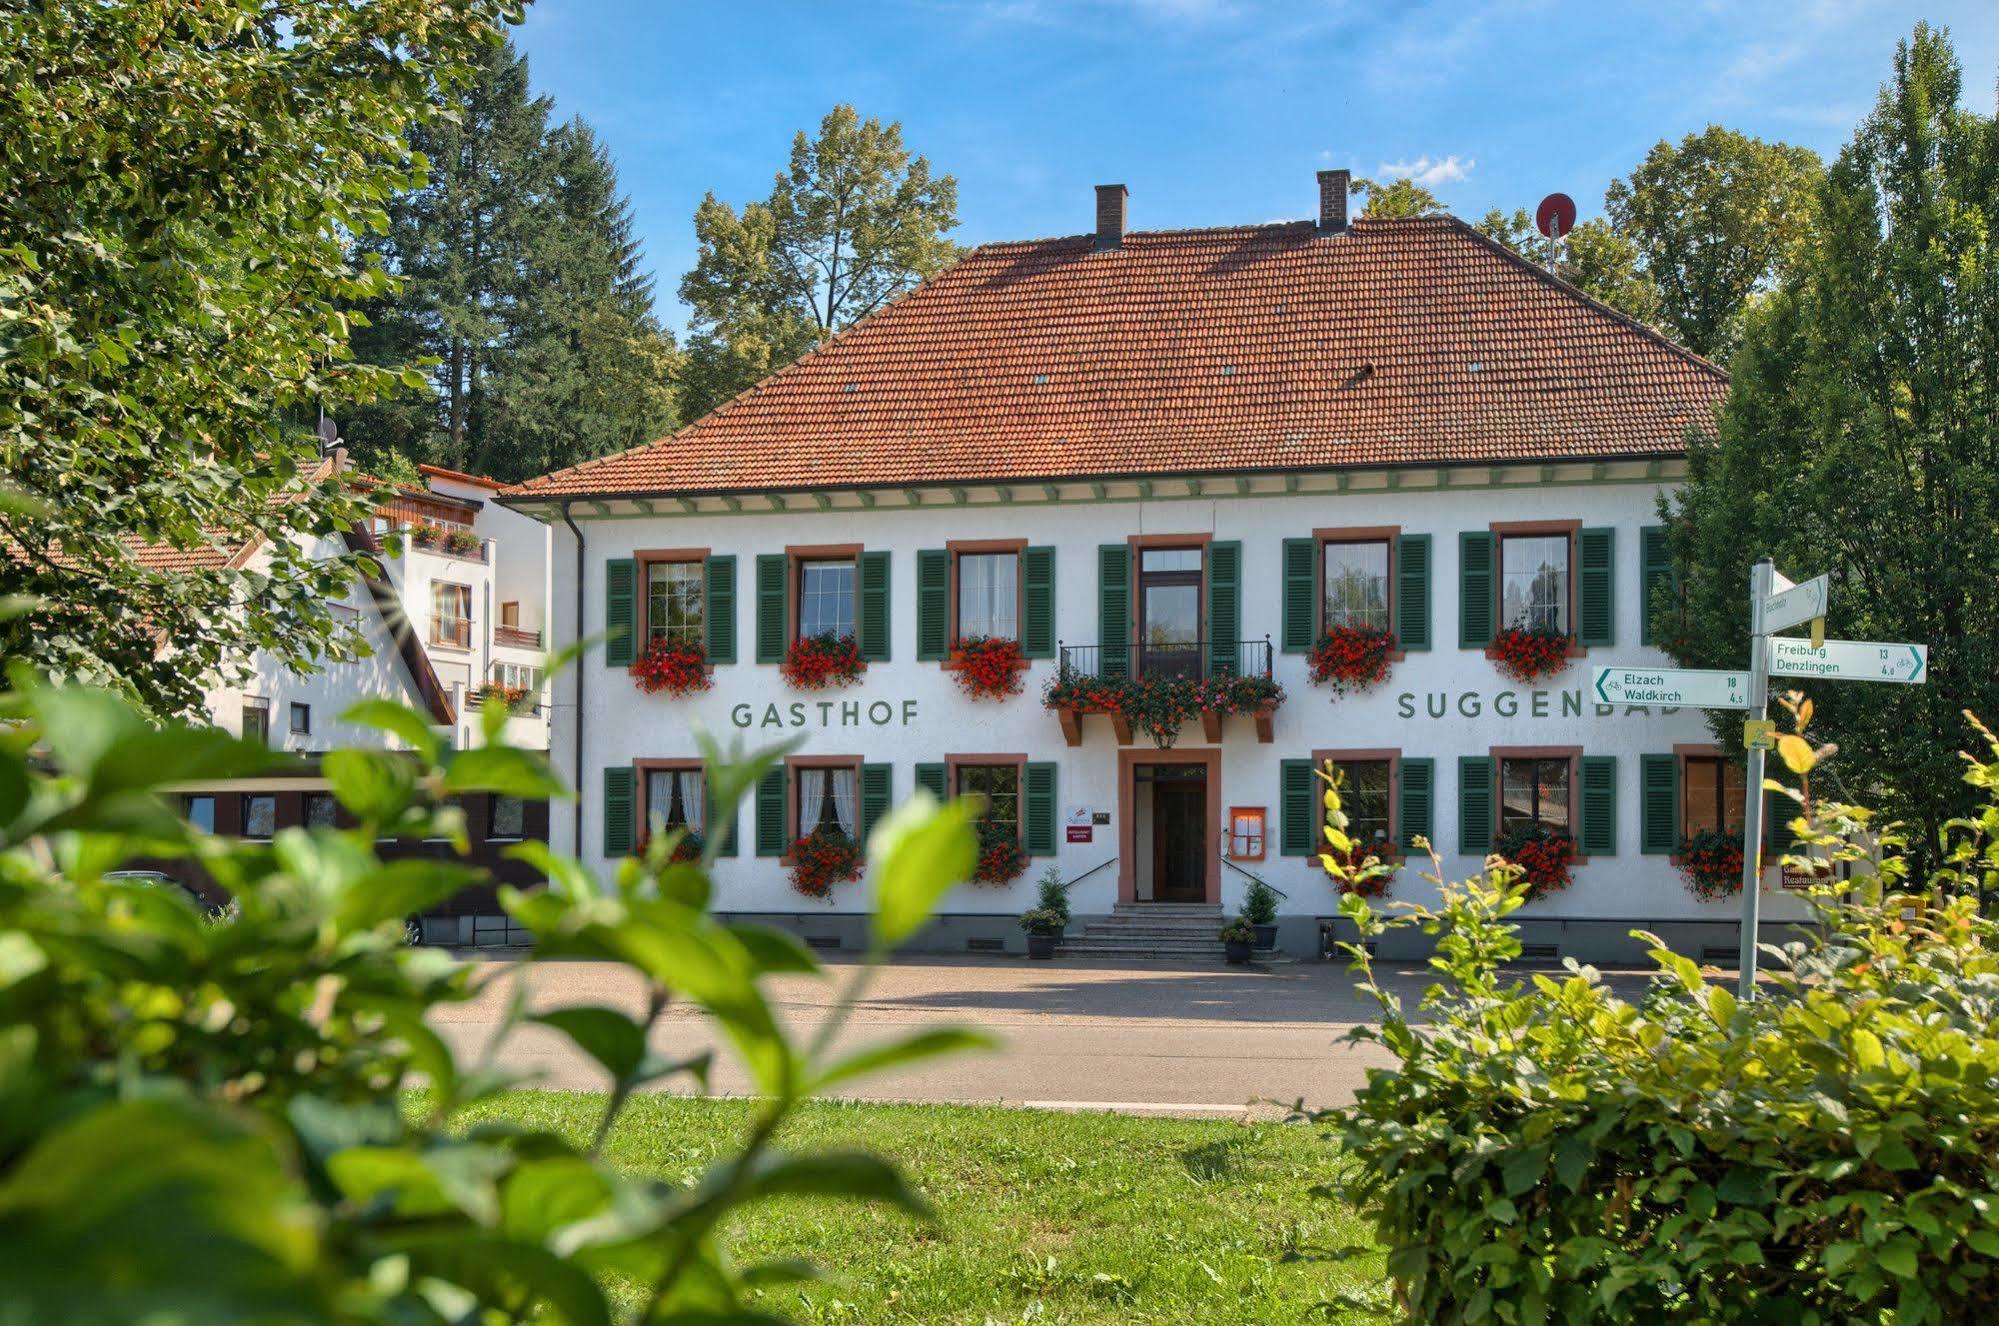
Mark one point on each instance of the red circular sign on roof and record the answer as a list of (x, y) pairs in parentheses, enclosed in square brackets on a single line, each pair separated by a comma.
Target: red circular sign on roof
[(1556, 216)]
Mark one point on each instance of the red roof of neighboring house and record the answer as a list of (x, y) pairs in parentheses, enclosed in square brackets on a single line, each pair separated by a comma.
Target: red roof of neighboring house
[(459, 476), (1276, 347)]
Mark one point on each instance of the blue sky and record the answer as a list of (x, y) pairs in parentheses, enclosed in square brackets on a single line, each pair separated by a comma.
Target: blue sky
[(1213, 111)]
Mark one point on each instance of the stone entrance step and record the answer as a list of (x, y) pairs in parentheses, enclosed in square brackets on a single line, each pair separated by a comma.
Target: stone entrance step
[(1176, 931)]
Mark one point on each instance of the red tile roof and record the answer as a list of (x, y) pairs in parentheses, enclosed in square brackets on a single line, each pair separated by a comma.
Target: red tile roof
[(1271, 347)]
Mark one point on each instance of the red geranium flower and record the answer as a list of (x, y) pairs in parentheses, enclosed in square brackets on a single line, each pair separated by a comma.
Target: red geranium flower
[(675, 667), (1529, 653), (989, 667), (815, 662), (1351, 658), (1711, 863), (821, 859), (1543, 855)]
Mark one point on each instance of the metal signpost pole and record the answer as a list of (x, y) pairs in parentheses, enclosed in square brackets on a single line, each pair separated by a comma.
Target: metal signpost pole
[(1761, 577)]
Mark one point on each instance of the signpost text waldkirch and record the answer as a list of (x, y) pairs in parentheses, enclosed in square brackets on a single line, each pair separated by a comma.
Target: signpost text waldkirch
[(1128, 533)]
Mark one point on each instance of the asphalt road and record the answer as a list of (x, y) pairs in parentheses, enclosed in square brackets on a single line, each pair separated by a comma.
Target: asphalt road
[(1134, 1037), (1153, 1037)]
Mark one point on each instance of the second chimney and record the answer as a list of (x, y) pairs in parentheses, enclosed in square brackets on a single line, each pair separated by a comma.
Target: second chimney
[(1334, 186), (1110, 215)]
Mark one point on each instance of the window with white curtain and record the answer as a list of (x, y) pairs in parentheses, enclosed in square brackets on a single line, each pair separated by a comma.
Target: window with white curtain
[(989, 595), (678, 798), (827, 800)]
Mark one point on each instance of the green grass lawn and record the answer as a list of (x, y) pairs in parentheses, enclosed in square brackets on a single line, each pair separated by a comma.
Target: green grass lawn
[(1043, 1217)]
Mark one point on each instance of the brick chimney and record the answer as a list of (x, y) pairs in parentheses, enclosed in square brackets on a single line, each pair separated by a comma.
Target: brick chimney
[(1110, 215), (1333, 189)]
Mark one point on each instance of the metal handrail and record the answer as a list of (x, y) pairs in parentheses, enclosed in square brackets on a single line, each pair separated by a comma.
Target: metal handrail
[(1259, 879), (1190, 658), (1087, 873)]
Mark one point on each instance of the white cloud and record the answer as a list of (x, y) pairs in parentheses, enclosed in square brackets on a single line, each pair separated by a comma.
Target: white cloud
[(1430, 172)]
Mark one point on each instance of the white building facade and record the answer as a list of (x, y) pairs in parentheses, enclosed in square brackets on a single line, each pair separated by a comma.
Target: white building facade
[(1201, 503)]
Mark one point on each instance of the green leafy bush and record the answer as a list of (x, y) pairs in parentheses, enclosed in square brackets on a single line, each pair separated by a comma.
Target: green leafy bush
[(1259, 903), (1827, 1152), (203, 1122)]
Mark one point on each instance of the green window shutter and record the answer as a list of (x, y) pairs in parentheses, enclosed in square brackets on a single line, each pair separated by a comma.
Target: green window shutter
[(1224, 564), (1038, 808), (1778, 812), (719, 612), (1301, 622), (1412, 591), (1596, 587), (720, 833), (620, 791), (876, 789), (1415, 801), (1298, 814), (933, 604), (873, 607), (621, 613), (1655, 567), (1475, 826), (934, 779), (771, 828), (1114, 609), (1658, 804), (1475, 588), (773, 631), (1598, 774), (1037, 592)]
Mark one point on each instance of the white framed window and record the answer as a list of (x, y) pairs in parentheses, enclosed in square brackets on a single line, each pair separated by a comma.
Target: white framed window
[(989, 595)]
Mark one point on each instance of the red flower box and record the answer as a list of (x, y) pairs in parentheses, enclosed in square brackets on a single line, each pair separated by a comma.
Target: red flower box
[(1374, 886), (1711, 863), (686, 848), (1529, 653), (675, 667), (988, 667), (821, 859), (1351, 658), (815, 662), (1001, 857), (1543, 856)]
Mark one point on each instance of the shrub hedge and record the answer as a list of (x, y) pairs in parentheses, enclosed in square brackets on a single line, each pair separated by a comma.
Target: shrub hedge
[(1547, 1151)]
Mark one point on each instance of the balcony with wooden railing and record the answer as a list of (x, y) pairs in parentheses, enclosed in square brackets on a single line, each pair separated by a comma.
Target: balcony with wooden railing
[(516, 637)]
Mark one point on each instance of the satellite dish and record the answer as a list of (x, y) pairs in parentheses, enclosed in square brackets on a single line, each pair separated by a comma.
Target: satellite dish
[(1556, 216), (329, 433)]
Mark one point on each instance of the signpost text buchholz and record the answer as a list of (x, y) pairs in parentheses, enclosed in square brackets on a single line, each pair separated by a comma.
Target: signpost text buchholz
[(1775, 604)]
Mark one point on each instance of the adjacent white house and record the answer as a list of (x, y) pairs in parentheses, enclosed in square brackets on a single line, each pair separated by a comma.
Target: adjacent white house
[(1173, 472), (458, 612)]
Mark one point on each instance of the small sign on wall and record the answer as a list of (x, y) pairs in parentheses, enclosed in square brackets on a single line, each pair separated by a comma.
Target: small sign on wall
[(1078, 821)]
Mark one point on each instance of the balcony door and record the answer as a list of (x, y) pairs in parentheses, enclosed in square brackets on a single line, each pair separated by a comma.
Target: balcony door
[(1169, 612)]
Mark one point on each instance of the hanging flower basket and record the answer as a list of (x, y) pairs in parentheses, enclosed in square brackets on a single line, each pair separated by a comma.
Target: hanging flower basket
[(1002, 859), (673, 667), (988, 667), (816, 662), (1711, 863), (687, 848), (1351, 658), (821, 859), (1529, 653), (1543, 856)]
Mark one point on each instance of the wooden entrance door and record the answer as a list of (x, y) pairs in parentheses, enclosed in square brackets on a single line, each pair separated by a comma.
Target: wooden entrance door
[(1180, 840)]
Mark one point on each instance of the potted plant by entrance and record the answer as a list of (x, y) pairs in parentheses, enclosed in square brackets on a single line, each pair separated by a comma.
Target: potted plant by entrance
[(1237, 937), (1259, 908), (1043, 928), (1048, 918)]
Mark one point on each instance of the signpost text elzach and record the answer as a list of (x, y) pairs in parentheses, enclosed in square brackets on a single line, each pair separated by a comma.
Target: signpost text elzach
[(1775, 604)]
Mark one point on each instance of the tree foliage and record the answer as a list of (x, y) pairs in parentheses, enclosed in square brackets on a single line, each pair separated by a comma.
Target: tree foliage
[(204, 1121), (854, 222), (522, 279), (1825, 1152), (1399, 197), (1718, 219), (1860, 438), (182, 180)]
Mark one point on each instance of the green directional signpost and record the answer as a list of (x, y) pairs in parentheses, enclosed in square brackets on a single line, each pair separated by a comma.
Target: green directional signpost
[(1775, 604)]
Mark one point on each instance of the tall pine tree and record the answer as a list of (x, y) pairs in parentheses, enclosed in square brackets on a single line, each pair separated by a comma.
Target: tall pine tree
[(522, 280)]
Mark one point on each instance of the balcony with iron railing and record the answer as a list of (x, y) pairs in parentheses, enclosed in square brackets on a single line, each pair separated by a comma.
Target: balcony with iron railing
[(1152, 686)]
